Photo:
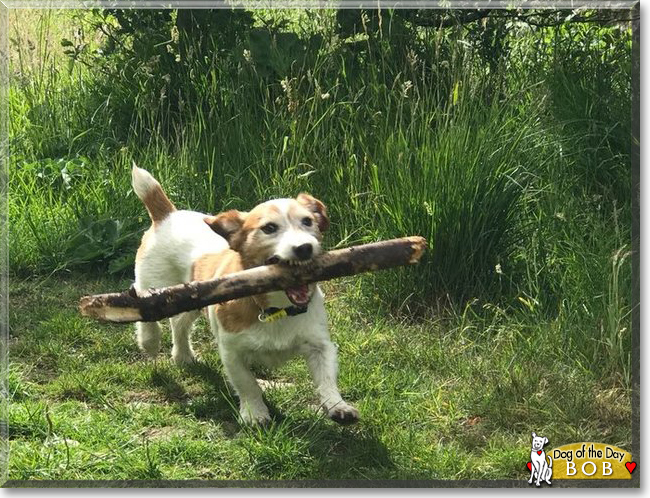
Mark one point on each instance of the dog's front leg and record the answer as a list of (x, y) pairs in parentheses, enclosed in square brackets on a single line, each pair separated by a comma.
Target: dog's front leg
[(539, 468), (322, 362), (251, 404), (532, 472)]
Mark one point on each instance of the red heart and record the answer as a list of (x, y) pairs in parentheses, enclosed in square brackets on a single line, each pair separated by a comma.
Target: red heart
[(529, 466), (630, 466), (539, 452)]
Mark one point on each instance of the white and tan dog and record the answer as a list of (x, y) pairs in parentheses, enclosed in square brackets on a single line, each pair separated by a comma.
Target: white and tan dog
[(540, 468), (182, 246)]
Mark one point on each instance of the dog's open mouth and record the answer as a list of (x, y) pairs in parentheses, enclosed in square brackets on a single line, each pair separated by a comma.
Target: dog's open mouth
[(299, 296)]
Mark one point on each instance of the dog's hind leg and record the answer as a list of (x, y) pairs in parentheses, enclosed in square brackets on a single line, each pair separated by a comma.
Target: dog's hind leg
[(149, 335), (182, 352)]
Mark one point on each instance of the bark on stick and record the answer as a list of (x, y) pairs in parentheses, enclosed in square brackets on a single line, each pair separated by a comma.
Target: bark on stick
[(155, 304)]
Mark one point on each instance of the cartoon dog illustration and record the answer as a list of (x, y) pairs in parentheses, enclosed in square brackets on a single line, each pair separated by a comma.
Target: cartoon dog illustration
[(539, 469)]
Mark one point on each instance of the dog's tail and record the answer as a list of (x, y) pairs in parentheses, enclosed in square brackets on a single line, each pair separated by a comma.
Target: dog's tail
[(550, 462), (151, 194)]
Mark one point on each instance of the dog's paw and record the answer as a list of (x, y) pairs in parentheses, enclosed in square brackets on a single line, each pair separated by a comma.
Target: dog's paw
[(343, 414), (149, 345), (183, 358), (255, 416)]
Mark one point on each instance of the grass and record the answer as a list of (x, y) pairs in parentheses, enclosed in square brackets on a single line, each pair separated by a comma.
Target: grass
[(447, 398), (516, 169)]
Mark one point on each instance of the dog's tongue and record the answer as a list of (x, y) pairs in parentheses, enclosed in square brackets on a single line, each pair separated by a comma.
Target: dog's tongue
[(298, 295)]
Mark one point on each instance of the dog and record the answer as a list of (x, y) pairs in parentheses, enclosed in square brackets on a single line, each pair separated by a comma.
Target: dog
[(183, 246), (540, 469)]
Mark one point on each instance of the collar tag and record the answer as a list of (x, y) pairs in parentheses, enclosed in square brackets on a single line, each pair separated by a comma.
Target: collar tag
[(272, 314), (266, 316)]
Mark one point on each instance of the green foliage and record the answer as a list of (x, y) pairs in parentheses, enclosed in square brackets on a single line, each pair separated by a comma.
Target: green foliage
[(590, 92), (58, 175), (98, 241)]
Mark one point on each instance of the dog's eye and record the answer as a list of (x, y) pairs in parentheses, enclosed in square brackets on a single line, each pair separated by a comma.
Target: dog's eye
[(269, 228), (307, 221)]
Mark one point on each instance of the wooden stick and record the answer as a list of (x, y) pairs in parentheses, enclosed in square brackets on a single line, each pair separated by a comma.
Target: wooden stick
[(156, 304)]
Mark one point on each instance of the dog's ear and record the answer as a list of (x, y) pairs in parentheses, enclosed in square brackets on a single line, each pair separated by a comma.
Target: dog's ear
[(316, 207), (227, 225), (534, 435), (545, 440)]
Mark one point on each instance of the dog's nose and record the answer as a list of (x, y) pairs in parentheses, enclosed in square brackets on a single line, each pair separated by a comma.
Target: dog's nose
[(303, 251)]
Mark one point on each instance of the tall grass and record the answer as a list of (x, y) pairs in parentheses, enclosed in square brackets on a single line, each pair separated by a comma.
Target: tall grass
[(514, 177)]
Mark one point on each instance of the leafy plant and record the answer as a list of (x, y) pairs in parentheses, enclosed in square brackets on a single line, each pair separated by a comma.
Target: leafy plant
[(101, 240), (57, 174)]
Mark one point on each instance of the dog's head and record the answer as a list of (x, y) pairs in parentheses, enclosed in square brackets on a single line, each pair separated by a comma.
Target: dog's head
[(538, 442), (280, 231)]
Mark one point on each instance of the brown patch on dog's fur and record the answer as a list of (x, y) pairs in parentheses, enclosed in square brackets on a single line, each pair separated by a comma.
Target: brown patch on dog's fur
[(205, 268), (253, 254), (158, 204), (318, 208), (227, 225), (238, 314), (235, 227), (235, 316), (297, 211), (143, 244)]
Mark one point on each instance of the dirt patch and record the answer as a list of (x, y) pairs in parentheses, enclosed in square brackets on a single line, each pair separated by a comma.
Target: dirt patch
[(165, 432), (142, 398)]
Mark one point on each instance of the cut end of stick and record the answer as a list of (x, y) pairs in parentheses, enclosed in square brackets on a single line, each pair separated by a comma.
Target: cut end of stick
[(419, 245), (91, 307)]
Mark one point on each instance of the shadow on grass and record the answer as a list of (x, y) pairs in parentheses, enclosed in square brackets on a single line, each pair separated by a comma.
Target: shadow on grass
[(293, 446), (168, 386), (350, 453), (34, 432), (309, 448), (213, 402)]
